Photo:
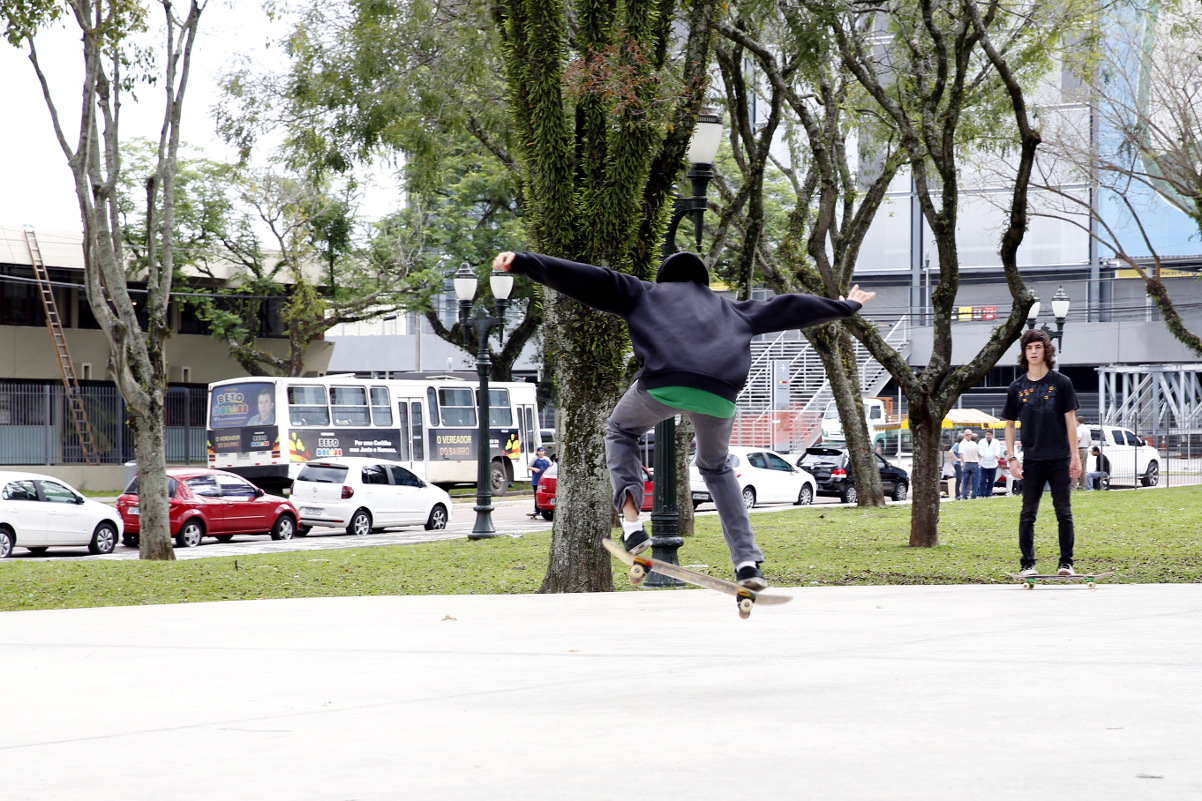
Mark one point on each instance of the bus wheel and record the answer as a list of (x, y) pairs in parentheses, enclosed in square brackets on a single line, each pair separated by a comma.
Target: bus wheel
[(498, 478)]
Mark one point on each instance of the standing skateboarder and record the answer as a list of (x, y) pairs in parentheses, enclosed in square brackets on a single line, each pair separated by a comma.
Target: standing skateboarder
[(1045, 402), (695, 350)]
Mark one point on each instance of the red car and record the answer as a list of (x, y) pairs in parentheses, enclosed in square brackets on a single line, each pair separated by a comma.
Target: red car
[(212, 503), (544, 495)]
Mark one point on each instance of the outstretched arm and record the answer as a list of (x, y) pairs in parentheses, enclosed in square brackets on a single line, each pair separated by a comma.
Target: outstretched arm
[(598, 287)]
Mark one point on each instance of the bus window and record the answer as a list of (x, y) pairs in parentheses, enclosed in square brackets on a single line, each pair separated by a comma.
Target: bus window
[(458, 406), (419, 446), (381, 409), (349, 406), (307, 406), (432, 400), (500, 413)]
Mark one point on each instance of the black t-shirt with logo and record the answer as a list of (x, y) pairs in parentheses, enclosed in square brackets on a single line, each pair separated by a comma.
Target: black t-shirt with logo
[(1040, 407)]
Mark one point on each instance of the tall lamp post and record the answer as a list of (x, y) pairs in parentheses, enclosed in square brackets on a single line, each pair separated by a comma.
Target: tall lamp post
[(1060, 303), (665, 522), (482, 324)]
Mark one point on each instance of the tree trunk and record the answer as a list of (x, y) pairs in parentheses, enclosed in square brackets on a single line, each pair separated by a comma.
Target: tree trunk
[(583, 503), (684, 497), (153, 504), (925, 479)]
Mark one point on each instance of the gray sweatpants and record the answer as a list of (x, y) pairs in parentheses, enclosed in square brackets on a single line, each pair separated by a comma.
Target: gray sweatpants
[(637, 412)]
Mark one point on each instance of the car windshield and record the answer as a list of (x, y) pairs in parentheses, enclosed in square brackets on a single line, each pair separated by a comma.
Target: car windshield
[(132, 489), (323, 473)]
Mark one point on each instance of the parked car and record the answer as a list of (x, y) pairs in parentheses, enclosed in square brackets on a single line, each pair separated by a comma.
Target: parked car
[(764, 477), (831, 468), (364, 495), (1132, 460), (544, 495), (211, 503), (39, 512)]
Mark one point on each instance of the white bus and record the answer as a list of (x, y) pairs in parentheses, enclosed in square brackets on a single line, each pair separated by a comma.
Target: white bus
[(265, 428)]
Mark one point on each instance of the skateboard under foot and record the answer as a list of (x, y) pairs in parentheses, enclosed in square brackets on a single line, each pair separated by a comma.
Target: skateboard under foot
[(641, 565), (1090, 579)]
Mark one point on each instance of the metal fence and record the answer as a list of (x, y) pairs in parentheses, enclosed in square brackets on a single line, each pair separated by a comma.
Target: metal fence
[(36, 426)]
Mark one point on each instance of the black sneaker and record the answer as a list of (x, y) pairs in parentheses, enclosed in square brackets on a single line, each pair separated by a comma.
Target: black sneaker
[(636, 542), (751, 577), (1066, 570)]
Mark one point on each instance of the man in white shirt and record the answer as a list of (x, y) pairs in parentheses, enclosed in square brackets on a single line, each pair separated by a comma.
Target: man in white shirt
[(1082, 451), (970, 457), (992, 451)]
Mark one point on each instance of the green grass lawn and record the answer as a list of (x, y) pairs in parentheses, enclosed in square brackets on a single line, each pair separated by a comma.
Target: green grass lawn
[(1145, 536)]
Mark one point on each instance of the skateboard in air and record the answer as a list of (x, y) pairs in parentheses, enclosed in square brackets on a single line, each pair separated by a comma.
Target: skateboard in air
[(1090, 579), (641, 565)]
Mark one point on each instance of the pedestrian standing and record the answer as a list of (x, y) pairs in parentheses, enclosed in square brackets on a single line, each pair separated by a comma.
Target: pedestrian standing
[(992, 451), (695, 349), (1082, 452), (1044, 402), (537, 468), (970, 459), (957, 466)]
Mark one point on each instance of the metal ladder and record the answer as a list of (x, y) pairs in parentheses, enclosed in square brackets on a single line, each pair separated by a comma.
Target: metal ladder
[(79, 415)]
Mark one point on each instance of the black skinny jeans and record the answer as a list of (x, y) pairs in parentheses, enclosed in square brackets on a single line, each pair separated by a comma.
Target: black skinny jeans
[(1035, 474)]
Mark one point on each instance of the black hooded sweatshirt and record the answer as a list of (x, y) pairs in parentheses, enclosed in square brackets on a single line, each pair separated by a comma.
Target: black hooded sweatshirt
[(683, 333)]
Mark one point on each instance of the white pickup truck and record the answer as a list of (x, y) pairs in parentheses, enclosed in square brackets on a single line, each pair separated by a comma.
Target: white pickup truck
[(1132, 461)]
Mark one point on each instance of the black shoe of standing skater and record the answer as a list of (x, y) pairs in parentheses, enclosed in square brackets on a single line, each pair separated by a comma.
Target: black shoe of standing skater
[(751, 577)]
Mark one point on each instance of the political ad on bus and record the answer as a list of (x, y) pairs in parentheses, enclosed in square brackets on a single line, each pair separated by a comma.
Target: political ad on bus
[(242, 419)]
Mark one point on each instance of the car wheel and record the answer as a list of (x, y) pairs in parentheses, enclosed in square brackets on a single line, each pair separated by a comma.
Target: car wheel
[(284, 528), (696, 504), (438, 518), (850, 495), (1152, 477), (131, 540), (360, 524), (806, 496), (6, 543), (104, 539), (900, 491), (548, 514), (303, 531), (749, 497), (189, 536), (1016, 487)]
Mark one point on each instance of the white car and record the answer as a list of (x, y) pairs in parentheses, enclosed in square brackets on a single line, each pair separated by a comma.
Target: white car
[(365, 495), (39, 512), (1132, 460), (765, 476)]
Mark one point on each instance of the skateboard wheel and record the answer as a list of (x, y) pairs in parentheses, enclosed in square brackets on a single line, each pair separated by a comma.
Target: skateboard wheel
[(637, 574), (1028, 585), (1091, 585), (745, 607)]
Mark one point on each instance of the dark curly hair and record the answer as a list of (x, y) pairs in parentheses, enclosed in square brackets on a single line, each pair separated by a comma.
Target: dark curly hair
[(1036, 335)]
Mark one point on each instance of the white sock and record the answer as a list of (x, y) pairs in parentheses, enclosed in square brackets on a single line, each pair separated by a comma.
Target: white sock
[(742, 565), (629, 527)]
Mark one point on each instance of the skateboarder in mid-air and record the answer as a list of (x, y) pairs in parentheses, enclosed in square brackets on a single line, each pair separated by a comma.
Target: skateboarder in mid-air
[(695, 350)]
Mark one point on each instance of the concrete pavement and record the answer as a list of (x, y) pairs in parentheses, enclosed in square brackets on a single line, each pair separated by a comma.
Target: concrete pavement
[(874, 693)]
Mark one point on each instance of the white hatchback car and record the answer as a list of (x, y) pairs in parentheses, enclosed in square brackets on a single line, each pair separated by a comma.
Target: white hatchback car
[(39, 512), (366, 495), (765, 476)]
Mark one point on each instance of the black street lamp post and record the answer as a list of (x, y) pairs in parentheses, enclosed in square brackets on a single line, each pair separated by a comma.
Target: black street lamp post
[(1060, 303), (482, 324), (665, 522)]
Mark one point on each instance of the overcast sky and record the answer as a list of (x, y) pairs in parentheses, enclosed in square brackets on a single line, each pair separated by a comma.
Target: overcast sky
[(36, 187)]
